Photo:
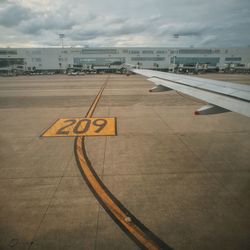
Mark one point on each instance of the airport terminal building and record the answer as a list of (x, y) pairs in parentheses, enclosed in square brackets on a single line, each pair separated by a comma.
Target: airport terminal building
[(112, 58)]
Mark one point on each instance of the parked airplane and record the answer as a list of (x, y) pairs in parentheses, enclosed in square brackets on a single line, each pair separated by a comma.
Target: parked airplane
[(220, 96)]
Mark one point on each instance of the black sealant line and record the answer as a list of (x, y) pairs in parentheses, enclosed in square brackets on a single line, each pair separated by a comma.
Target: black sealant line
[(161, 244)]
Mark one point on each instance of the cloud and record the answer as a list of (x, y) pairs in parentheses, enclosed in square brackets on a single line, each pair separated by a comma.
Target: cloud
[(12, 15), (111, 27), (183, 29), (32, 21), (46, 22), (126, 23)]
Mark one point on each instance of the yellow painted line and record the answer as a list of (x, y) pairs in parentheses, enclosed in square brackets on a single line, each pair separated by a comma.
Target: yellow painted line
[(123, 218), (94, 104), (82, 127), (136, 230)]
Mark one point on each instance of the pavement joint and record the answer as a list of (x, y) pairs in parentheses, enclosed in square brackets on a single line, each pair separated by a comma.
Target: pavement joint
[(49, 203)]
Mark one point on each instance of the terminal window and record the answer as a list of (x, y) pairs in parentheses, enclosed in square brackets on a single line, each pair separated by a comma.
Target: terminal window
[(147, 51), (160, 52), (36, 52), (147, 58), (4, 62), (8, 52), (99, 61), (195, 51), (212, 61), (134, 52), (99, 51), (36, 59), (235, 59)]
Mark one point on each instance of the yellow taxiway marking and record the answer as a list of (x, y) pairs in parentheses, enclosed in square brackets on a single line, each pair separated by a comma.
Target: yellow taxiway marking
[(82, 127), (138, 232), (109, 203)]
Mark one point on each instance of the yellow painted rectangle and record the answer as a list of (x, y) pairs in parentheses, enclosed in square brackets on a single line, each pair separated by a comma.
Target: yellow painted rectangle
[(82, 127)]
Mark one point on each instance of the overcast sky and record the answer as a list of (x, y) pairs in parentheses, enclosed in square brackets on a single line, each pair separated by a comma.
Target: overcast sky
[(167, 23)]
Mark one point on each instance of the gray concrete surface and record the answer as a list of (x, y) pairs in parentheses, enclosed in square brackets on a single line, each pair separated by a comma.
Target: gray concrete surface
[(185, 177)]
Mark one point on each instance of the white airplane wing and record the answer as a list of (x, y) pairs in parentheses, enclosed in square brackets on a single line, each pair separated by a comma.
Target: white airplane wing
[(220, 96)]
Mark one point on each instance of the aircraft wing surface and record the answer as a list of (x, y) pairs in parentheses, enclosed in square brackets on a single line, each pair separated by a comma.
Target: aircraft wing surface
[(221, 96)]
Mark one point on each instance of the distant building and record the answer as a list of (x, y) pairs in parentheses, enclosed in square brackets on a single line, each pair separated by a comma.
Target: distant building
[(162, 58)]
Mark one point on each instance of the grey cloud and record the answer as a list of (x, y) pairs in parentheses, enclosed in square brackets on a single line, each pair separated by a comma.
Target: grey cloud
[(38, 25), (87, 35), (208, 39), (47, 21), (28, 21), (190, 33), (110, 28), (12, 15), (116, 20), (183, 29), (135, 23)]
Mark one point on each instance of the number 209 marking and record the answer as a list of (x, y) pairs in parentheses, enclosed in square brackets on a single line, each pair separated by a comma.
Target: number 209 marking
[(82, 127)]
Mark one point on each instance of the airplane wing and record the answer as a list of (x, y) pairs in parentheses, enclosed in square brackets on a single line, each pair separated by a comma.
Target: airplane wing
[(220, 96)]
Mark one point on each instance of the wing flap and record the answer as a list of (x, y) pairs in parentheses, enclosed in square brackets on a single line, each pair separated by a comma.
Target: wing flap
[(224, 101), (240, 91)]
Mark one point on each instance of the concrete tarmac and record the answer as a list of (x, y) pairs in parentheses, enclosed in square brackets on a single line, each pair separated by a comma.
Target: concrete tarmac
[(185, 177)]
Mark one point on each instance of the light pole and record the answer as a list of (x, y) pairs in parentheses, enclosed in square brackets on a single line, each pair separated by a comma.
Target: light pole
[(174, 58), (176, 37), (61, 36), (174, 63)]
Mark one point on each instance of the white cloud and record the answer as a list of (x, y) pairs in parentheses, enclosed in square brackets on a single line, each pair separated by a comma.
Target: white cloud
[(125, 23)]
